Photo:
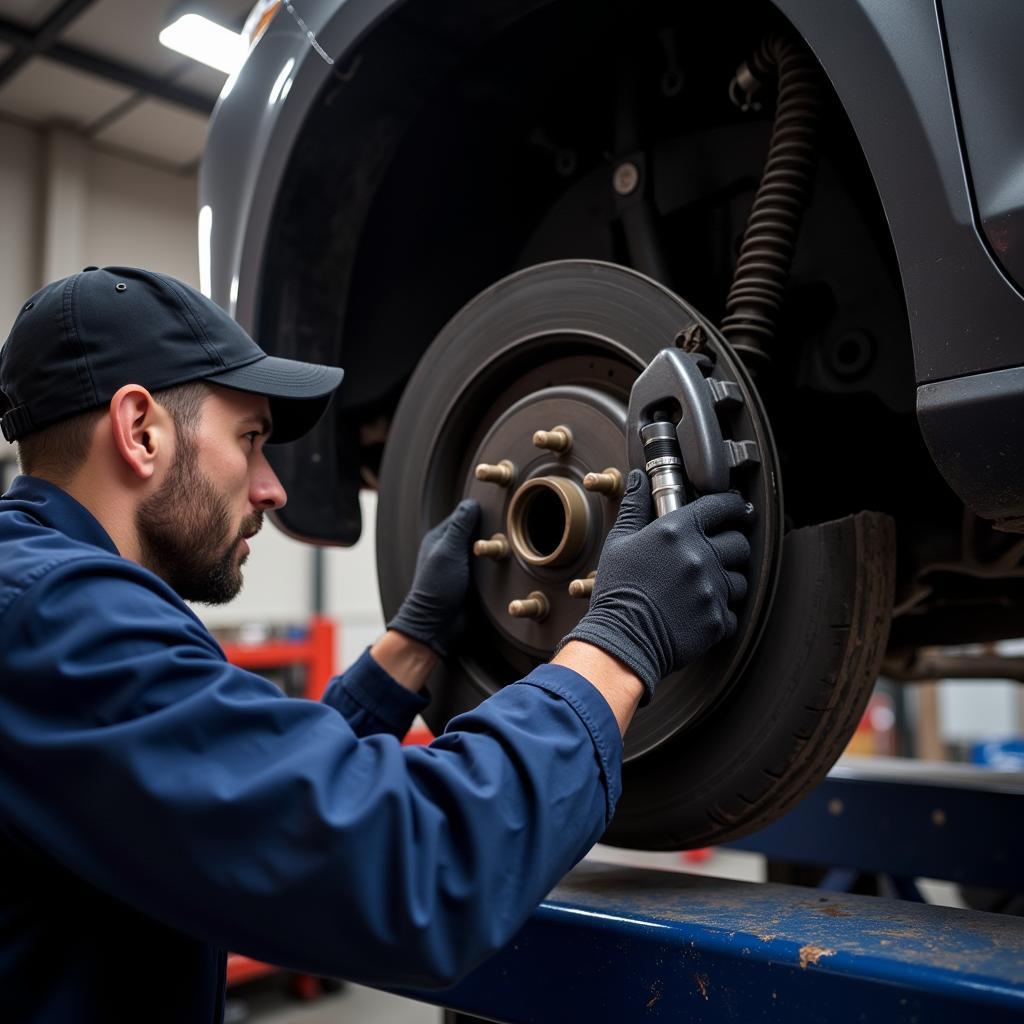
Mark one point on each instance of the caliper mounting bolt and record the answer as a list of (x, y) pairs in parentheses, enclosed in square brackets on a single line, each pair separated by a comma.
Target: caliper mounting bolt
[(496, 548), (534, 606), (608, 482), (502, 474), (557, 440)]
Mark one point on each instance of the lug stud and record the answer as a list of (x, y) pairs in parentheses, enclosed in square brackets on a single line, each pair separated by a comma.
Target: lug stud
[(495, 548), (535, 606), (502, 474), (557, 440), (608, 482), (582, 588)]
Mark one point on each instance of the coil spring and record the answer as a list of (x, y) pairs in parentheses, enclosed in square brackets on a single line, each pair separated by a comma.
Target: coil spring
[(769, 239)]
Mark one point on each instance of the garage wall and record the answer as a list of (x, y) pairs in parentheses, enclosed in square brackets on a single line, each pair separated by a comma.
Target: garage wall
[(141, 216), (66, 204), (21, 206)]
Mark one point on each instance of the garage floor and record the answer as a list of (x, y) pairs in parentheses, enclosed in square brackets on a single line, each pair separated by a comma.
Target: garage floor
[(268, 1004)]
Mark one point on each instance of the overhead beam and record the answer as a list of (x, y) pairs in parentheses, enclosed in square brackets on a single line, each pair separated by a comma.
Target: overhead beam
[(43, 43), (31, 43), (133, 78)]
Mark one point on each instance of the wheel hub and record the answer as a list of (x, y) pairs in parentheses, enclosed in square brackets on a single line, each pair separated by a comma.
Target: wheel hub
[(553, 524)]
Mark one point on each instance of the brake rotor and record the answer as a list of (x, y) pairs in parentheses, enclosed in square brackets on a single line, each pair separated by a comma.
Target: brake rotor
[(574, 531)]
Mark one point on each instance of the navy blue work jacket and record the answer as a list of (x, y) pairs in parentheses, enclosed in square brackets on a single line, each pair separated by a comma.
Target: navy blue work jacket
[(159, 806)]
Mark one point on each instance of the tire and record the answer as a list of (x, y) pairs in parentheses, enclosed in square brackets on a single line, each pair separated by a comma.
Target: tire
[(783, 725)]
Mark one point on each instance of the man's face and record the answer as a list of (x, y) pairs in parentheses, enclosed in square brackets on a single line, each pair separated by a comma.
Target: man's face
[(193, 530)]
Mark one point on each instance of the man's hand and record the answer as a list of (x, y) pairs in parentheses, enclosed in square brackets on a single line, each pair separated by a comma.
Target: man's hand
[(663, 588), (429, 612)]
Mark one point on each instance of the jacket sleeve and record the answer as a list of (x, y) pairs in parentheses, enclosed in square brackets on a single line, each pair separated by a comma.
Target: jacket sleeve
[(372, 701), (135, 755)]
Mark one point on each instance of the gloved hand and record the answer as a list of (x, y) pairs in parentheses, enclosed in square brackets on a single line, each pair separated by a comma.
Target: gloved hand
[(663, 587), (439, 586)]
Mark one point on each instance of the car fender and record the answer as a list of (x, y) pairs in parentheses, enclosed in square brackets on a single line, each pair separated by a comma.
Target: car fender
[(253, 131)]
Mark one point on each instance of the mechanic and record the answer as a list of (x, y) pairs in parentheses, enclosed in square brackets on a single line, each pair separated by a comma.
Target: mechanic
[(159, 806)]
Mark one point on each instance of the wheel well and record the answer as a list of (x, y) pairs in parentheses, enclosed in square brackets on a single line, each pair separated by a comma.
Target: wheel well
[(463, 146)]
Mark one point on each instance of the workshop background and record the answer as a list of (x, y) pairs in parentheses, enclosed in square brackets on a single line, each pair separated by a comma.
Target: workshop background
[(101, 134)]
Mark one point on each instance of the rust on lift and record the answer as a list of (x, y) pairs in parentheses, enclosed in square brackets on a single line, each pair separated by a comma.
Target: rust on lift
[(832, 911), (865, 926), (655, 996), (812, 954)]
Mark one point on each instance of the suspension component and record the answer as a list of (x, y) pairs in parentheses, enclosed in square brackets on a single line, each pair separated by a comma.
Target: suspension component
[(609, 482), (769, 239), (502, 474), (496, 548), (557, 440), (534, 606)]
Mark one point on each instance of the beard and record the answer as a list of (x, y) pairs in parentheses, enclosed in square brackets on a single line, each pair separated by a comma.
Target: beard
[(186, 536)]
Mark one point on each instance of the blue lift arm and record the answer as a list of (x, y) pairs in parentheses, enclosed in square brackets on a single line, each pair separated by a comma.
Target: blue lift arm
[(623, 944), (907, 818)]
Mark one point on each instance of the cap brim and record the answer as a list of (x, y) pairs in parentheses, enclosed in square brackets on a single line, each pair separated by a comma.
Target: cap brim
[(299, 392)]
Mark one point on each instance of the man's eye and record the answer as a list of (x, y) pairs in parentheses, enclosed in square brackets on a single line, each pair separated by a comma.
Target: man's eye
[(251, 437)]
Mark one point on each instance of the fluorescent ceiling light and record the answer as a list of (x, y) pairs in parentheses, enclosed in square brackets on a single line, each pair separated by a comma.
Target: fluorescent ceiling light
[(207, 42)]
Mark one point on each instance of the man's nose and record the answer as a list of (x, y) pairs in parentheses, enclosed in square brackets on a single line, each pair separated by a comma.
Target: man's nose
[(266, 491)]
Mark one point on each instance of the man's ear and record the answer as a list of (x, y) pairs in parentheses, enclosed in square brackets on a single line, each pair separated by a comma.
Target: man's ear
[(142, 430)]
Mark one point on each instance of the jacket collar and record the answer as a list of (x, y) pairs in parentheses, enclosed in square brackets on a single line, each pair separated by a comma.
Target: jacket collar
[(49, 505)]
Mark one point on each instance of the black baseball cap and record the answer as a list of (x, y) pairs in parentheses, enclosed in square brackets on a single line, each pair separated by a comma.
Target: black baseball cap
[(78, 340)]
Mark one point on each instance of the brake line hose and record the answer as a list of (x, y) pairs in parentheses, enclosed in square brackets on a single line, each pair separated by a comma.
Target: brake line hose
[(769, 239)]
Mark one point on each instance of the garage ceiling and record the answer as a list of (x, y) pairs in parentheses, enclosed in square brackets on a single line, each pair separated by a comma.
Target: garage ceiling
[(97, 66)]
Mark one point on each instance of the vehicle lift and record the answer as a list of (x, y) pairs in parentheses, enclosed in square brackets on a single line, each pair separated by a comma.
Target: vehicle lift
[(623, 944)]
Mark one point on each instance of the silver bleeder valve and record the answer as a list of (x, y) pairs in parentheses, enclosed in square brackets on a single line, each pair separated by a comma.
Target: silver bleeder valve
[(663, 462)]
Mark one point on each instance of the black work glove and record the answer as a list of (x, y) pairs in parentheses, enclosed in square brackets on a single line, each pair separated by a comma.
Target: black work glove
[(663, 588), (430, 609)]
